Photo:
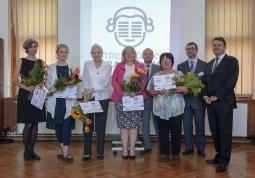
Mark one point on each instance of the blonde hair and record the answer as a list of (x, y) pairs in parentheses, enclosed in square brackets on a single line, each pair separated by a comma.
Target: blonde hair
[(96, 46), (125, 50), (60, 46)]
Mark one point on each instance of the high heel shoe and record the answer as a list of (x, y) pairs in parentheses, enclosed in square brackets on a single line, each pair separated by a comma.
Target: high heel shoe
[(35, 156), (131, 157), (124, 157), (28, 156)]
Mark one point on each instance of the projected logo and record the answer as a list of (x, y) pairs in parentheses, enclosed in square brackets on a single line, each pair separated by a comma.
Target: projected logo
[(130, 25)]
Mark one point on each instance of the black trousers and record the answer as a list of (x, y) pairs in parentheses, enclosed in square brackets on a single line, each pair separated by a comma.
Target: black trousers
[(100, 127), (174, 125), (221, 124)]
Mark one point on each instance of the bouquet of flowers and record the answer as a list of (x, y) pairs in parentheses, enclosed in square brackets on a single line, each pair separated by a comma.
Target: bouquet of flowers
[(71, 80), (78, 114), (190, 81), (134, 83), (35, 77)]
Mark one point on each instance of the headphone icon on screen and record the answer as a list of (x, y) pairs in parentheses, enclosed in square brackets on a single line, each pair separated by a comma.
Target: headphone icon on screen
[(130, 25)]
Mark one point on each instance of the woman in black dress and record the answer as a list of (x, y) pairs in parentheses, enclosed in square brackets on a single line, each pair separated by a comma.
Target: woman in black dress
[(59, 109), (27, 113)]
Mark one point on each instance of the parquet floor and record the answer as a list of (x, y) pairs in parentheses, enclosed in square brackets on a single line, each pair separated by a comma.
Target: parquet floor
[(12, 164)]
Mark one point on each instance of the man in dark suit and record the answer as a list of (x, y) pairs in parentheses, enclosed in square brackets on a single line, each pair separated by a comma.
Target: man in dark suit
[(194, 105), (153, 68), (221, 78)]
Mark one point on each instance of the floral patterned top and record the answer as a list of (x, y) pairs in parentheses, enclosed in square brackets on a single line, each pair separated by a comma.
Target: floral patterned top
[(167, 106)]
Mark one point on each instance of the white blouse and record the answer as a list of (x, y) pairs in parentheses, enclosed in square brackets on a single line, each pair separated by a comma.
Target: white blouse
[(129, 71), (98, 78)]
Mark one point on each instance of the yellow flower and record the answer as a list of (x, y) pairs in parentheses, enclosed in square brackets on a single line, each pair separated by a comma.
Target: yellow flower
[(88, 121), (133, 75), (86, 129), (146, 69), (76, 113), (141, 71)]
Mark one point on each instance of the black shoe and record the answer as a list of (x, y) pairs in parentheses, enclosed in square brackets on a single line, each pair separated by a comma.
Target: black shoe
[(28, 156), (187, 152), (212, 161), (68, 158), (146, 150), (131, 157), (35, 156), (125, 157), (201, 153), (100, 157), (86, 157), (221, 168)]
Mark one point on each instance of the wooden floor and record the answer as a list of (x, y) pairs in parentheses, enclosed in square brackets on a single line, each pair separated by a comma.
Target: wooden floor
[(12, 164)]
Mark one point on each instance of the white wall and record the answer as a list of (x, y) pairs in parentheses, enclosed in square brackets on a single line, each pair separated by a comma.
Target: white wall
[(69, 27), (187, 24)]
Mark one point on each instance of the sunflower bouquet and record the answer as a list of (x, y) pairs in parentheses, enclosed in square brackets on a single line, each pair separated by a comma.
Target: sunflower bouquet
[(134, 83), (62, 83), (191, 81), (78, 114), (35, 77)]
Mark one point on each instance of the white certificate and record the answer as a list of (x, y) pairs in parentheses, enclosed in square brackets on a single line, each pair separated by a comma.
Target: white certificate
[(69, 92), (38, 98), (164, 82), (135, 103), (91, 107)]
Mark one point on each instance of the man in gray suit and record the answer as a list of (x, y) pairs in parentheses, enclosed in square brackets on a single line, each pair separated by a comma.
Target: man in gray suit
[(194, 105), (153, 68)]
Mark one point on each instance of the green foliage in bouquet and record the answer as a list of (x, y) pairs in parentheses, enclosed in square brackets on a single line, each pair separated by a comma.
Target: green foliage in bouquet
[(35, 76), (133, 84), (190, 81)]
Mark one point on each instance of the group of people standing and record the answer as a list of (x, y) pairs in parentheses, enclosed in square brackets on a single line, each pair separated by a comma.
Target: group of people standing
[(169, 111)]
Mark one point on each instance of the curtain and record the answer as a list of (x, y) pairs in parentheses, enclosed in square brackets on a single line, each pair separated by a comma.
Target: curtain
[(234, 20), (33, 19)]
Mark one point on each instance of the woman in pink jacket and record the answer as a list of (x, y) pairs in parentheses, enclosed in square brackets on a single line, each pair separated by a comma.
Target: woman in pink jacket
[(128, 121)]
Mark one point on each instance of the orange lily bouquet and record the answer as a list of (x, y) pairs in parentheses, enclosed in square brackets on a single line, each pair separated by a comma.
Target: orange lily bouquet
[(78, 114), (134, 83), (73, 79)]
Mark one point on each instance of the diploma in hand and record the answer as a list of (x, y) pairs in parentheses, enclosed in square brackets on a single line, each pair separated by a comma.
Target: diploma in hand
[(135, 103), (38, 98), (69, 92), (164, 82), (91, 107)]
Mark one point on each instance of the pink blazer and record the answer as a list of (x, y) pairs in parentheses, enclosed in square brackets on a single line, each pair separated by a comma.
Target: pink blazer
[(117, 78)]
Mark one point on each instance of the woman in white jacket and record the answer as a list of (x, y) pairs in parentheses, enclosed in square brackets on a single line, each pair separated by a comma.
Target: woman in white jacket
[(97, 82), (59, 109)]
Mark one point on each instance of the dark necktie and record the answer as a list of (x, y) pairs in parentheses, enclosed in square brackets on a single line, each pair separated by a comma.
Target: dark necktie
[(215, 65), (191, 66), (148, 73)]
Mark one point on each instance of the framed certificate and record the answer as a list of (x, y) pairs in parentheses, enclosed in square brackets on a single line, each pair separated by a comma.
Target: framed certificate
[(135, 103), (38, 98), (91, 107), (164, 82)]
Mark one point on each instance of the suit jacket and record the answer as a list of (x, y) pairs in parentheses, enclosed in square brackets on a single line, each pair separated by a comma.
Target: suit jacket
[(222, 82), (195, 102), (154, 69)]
